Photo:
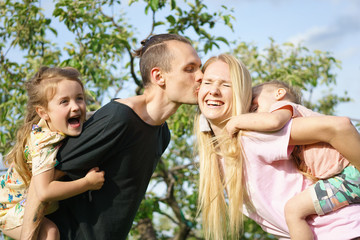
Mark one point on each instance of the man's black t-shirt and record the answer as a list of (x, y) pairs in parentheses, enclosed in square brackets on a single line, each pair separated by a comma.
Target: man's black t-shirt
[(119, 142)]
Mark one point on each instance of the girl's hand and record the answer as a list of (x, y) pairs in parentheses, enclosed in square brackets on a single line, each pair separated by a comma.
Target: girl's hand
[(95, 178)]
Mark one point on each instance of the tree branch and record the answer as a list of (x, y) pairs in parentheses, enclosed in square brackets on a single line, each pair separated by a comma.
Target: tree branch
[(170, 199), (128, 49), (175, 169), (167, 215)]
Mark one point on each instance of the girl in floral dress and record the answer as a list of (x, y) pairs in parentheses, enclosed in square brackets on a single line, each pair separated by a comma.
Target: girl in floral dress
[(56, 108)]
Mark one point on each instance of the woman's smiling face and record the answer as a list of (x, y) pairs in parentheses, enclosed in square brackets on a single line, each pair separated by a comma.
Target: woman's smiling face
[(215, 93)]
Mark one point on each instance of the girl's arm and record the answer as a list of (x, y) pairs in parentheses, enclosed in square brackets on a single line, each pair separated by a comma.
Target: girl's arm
[(339, 132), (47, 189), (261, 122)]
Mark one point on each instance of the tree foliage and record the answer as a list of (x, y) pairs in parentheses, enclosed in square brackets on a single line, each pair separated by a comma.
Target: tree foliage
[(295, 65), (96, 38)]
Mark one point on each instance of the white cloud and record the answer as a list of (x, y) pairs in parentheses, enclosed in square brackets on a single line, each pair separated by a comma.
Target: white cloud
[(349, 52), (309, 35), (330, 36)]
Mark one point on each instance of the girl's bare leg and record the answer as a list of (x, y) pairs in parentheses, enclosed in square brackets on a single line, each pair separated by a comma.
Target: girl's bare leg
[(13, 233), (297, 209), (47, 231), (33, 215)]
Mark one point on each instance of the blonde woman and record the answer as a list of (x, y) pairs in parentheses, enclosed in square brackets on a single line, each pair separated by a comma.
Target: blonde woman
[(254, 170)]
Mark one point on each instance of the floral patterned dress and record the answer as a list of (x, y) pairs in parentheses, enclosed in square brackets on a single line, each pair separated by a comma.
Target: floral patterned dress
[(40, 154)]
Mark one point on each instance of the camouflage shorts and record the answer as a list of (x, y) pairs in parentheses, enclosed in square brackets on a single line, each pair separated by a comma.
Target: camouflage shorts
[(330, 194)]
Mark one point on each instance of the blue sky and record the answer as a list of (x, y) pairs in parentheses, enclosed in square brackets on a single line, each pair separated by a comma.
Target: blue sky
[(327, 25)]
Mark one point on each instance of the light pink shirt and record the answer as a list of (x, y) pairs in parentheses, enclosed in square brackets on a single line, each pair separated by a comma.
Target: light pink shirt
[(322, 160), (273, 180)]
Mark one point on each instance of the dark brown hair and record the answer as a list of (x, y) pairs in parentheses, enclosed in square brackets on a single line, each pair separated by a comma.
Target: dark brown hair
[(154, 52)]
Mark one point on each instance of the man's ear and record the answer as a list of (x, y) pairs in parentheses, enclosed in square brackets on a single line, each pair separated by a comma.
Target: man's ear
[(280, 93), (42, 113), (157, 76)]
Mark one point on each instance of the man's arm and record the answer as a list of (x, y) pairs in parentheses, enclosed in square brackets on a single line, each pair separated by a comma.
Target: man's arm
[(339, 132), (260, 122)]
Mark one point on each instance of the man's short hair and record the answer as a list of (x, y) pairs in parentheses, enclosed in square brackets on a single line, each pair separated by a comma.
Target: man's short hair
[(154, 52)]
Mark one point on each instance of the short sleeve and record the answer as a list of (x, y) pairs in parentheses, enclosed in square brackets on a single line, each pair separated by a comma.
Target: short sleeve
[(268, 147), (281, 104), (43, 148)]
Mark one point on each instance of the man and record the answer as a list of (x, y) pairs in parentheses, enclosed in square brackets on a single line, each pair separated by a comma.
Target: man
[(125, 139)]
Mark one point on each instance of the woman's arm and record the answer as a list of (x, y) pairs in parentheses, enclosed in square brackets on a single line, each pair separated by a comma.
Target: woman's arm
[(339, 132)]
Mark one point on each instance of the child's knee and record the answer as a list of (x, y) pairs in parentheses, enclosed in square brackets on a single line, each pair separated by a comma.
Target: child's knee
[(294, 210), (291, 209), (49, 230), (54, 232)]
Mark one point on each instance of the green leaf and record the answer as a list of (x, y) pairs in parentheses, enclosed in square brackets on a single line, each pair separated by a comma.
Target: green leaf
[(173, 4), (222, 39), (3, 138), (158, 24), (154, 4), (171, 19)]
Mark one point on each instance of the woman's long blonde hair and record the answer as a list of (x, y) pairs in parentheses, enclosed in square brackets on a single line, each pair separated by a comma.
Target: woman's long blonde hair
[(40, 89), (217, 215)]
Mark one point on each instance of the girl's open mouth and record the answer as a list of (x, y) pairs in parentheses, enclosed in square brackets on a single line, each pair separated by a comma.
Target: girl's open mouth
[(74, 122)]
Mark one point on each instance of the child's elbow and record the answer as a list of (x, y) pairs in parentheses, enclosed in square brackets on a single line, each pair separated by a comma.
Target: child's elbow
[(347, 122), (344, 124), (43, 196), (276, 124)]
